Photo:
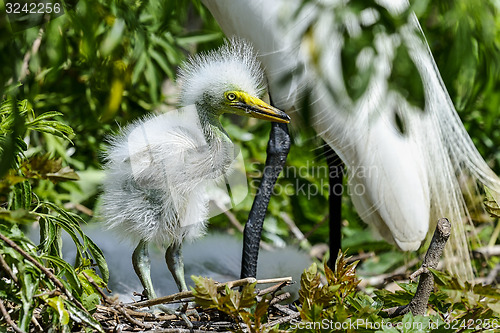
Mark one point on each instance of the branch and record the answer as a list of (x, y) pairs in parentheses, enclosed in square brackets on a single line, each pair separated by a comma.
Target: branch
[(8, 319), (44, 270), (234, 221), (418, 304), (7, 269), (34, 49), (187, 294)]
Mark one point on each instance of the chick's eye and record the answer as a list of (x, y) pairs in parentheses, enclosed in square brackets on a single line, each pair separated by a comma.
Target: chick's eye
[(231, 97)]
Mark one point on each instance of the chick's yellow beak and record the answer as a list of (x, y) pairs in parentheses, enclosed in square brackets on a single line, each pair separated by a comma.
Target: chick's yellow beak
[(257, 108)]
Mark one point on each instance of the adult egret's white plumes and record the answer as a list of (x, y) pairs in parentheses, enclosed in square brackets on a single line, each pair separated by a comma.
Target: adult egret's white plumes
[(414, 178), (159, 169)]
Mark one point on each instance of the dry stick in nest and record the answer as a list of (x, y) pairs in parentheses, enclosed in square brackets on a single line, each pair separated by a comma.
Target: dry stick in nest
[(187, 294), (130, 314), (418, 304)]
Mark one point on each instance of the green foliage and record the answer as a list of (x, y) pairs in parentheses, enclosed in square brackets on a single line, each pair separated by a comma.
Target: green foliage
[(103, 64), (35, 277), (242, 306), (332, 304), (465, 41)]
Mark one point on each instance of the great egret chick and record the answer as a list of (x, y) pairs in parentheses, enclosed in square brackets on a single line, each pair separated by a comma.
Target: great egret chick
[(158, 168)]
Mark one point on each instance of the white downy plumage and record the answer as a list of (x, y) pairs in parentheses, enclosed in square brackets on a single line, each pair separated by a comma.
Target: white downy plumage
[(159, 170)]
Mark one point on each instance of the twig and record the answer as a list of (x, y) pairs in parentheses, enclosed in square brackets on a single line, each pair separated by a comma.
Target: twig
[(492, 276), (284, 309), (231, 217), (37, 324), (316, 226), (132, 320), (293, 227), (360, 257), (283, 320), (187, 294), (96, 287), (8, 319), (487, 251), (376, 281), (48, 273), (34, 49), (276, 280), (181, 330), (6, 268), (280, 298), (79, 207), (234, 221), (418, 304), (274, 288)]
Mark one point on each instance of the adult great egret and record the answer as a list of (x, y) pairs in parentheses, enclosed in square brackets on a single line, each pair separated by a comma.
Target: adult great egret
[(158, 170), (417, 175)]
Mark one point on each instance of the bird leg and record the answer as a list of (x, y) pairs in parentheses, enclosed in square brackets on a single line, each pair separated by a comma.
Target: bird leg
[(175, 264), (142, 267), (277, 151), (335, 177)]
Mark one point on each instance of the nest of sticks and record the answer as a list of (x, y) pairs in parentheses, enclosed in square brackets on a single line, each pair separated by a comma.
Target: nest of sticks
[(115, 316)]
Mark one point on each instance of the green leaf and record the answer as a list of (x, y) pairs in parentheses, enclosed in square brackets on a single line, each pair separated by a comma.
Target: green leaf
[(440, 278), (29, 285), (65, 173), (160, 60), (247, 297), (90, 302), (113, 37), (57, 304), (69, 272), (48, 234), (356, 79), (19, 216), (45, 116), (99, 259), (186, 41), (205, 292), (87, 286), (491, 204), (81, 316)]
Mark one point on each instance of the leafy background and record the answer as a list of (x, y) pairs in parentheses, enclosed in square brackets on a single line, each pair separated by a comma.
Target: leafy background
[(69, 82)]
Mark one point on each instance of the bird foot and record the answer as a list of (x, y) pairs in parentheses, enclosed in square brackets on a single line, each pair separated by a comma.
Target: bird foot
[(182, 312)]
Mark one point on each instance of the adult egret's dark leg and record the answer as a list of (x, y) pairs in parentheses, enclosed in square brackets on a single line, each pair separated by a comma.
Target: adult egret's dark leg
[(142, 267), (175, 264), (277, 151), (336, 173)]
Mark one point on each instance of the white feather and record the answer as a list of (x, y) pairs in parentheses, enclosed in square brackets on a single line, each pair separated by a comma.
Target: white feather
[(417, 175)]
